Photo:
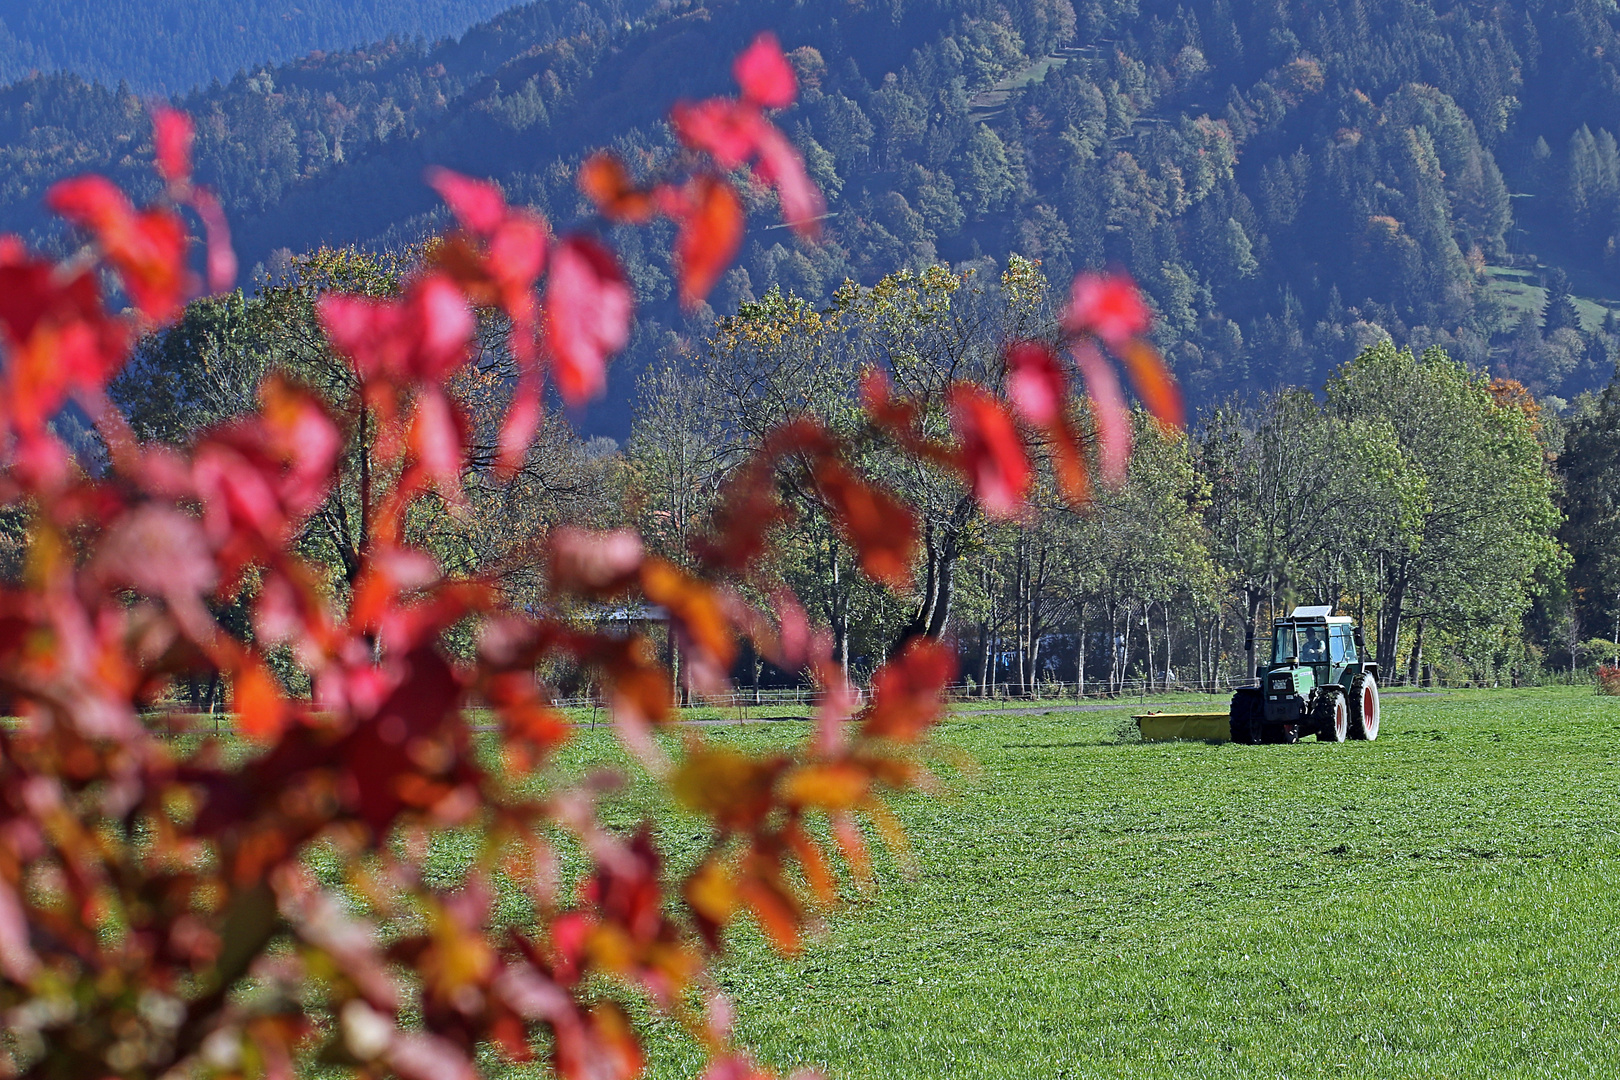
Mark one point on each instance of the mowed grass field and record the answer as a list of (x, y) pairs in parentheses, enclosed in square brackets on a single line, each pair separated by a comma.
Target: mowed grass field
[(1444, 902)]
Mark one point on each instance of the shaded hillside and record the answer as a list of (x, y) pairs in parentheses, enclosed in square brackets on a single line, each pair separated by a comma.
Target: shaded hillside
[(1288, 184), (173, 45)]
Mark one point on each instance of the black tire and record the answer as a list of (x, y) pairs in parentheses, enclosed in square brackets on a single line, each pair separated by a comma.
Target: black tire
[(1248, 712), (1331, 716), (1365, 708)]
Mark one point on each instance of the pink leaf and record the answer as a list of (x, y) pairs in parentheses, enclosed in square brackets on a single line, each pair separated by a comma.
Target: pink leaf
[(172, 135), (1108, 405), (781, 166), (221, 256), (764, 74), (725, 130), (1036, 383), (588, 306), (1109, 306), (477, 204)]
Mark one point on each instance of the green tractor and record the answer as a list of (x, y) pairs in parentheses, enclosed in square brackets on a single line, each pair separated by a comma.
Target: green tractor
[(1316, 684)]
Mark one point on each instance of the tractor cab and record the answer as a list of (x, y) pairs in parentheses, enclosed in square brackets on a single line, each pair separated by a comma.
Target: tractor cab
[(1316, 683)]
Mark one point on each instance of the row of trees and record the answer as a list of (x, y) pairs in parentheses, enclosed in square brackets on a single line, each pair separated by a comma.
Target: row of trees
[(1415, 494)]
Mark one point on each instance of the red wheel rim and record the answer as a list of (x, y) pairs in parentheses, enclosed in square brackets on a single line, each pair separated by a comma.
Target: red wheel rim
[(1369, 709), (1341, 718)]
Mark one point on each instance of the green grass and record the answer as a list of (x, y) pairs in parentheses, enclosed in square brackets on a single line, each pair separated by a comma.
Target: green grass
[(1518, 294), (1441, 902)]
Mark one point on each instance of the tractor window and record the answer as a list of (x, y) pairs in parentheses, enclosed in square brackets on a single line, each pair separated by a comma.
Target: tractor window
[(1338, 642), (1313, 645), (1282, 651)]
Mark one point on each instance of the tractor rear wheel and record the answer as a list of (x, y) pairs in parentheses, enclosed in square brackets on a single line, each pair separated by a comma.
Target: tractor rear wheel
[(1332, 716), (1248, 710), (1364, 707)]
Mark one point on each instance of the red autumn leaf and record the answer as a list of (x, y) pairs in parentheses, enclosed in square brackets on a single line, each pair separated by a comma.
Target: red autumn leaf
[(991, 454), (1107, 305), (764, 74), (172, 135), (260, 712), (727, 131), (424, 334), (477, 204), (1113, 419), (146, 247), (605, 181), (438, 438), (907, 689), (1036, 383), (1039, 389), (1153, 381), (59, 338), (882, 531), (588, 306), (710, 234)]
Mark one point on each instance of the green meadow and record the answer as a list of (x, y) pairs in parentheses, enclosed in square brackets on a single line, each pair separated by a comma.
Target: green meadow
[(1444, 902)]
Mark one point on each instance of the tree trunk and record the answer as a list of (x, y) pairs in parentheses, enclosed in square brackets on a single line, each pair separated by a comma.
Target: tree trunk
[(1252, 595), (1389, 622), (1080, 652), (1414, 664)]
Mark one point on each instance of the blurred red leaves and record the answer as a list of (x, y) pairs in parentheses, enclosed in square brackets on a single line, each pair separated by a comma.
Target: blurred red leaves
[(710, 233), (172, 135), (766, 78), (102, 942), (906, 690), (991, 451), (147, 247), (588, 305), (1107, 305)]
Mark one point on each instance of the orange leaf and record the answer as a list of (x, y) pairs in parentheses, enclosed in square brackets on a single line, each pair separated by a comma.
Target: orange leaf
[(1153, 381), (260, 711), (906, 690), (605, 181), (694, 605), (773, 907), (882, 530), (711, 232), (825, 786)]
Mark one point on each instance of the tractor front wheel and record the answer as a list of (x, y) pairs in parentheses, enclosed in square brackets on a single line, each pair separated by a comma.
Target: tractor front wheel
[(1364, 707), (1248, 709), (1332, 716)]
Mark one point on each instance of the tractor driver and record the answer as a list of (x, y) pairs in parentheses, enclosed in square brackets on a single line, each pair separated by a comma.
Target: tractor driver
[(1313, 645)]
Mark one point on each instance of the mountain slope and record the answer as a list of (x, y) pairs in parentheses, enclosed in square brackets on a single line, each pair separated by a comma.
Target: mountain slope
[(173, 45), (1288, 185)]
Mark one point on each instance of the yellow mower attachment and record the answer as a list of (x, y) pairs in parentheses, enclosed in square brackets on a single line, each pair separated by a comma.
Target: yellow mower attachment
[(1198, 727)]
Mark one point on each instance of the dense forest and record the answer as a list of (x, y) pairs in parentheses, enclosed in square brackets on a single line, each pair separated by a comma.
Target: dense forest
[(1290, 183), (172, 45)]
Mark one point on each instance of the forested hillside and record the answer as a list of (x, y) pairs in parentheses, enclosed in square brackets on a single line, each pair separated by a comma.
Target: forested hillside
[(1289, 182), (174, 45)]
